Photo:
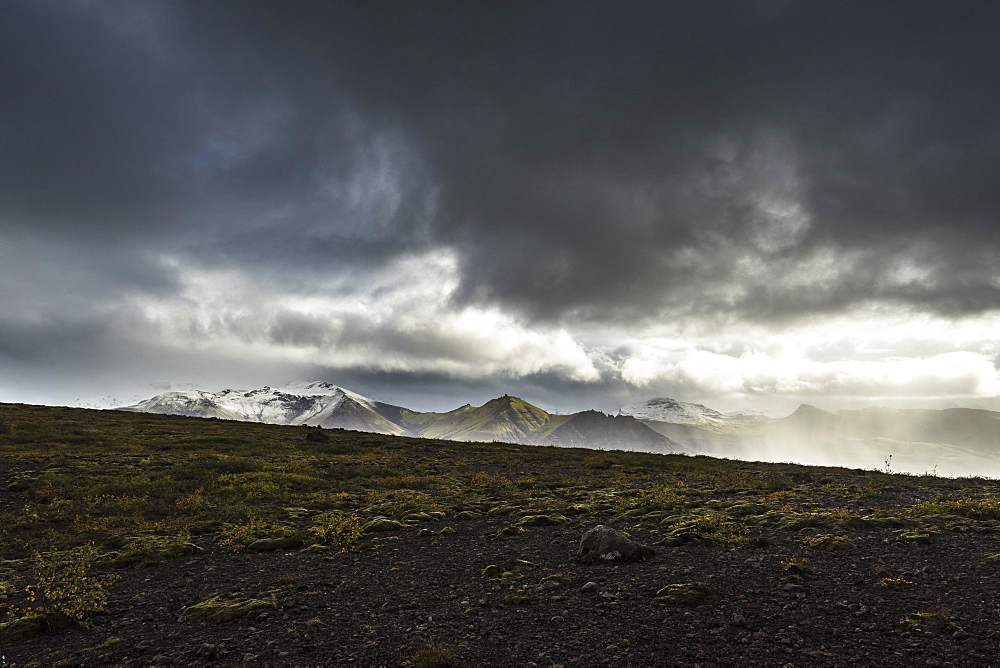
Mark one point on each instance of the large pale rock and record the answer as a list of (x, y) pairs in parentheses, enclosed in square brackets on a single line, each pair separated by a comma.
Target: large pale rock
[(602, 543)]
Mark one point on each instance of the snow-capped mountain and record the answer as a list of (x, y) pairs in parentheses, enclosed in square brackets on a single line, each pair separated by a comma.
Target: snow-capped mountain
[(663, 409), (505, 418), (315, 403), (127, 399)]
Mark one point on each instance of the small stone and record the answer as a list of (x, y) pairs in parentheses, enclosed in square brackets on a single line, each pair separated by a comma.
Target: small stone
[(589, 587)]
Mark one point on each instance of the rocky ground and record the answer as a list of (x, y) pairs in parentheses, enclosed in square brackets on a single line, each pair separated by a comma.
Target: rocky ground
[(402, 598)]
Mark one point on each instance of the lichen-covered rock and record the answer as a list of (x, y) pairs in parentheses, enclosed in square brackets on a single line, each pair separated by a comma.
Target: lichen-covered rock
[(541, 520), (380, 524), (689, 595), (274, 544), (33, 625), (22, 629), (503, 510), (603, 543), (218, 609), (145, 551)]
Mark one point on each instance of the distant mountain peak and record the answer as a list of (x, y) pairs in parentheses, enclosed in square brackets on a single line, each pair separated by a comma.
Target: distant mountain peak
[(809, 409), (665, 409)]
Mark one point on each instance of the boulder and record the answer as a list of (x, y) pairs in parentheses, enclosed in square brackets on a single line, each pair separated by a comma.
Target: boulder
[(317, 436), (602, 543)]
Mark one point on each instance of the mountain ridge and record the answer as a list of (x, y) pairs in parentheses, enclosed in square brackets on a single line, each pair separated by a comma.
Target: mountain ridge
[(951, 441), (506, 418)]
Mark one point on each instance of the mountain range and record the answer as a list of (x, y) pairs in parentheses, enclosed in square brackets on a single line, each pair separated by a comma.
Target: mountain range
[(952, 441), (506, 418)]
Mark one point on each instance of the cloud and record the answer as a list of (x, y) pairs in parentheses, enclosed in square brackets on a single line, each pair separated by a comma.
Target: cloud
[(571, 199), (869, 357), (401, 319)]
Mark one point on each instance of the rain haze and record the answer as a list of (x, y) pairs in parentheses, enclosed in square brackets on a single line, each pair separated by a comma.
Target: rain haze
[(743, 204)]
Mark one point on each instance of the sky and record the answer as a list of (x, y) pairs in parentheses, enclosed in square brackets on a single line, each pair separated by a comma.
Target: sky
[(748, 204)]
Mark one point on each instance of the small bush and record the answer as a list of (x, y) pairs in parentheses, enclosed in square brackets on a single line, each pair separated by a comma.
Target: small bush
[(337, 530), (65, 587)]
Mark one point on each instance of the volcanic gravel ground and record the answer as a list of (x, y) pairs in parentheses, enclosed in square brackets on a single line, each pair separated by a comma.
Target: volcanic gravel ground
[(380, 603)]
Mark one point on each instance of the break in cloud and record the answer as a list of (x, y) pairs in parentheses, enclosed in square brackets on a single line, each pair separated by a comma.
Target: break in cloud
[(584, 203)]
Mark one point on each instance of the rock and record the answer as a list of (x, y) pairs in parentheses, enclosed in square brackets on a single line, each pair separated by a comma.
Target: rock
[(602, 543), (209, 652), (589, 588), (688, 595), (317, 436), (33, 625), (22, 629), (555, 581)]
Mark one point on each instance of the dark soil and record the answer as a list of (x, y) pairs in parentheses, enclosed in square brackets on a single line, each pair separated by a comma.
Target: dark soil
[(399, 593)]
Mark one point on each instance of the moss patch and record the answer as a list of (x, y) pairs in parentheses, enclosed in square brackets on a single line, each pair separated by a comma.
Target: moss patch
[(218, 609), (689, 595)]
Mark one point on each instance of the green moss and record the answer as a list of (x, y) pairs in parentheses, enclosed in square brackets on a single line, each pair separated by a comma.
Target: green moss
[(145, 551), (541, 520), (22, 629), (218, 609), (381, 524), (829, 542), (934, 621), (688, 595), (274, 544), (917, 537), (30, 626)]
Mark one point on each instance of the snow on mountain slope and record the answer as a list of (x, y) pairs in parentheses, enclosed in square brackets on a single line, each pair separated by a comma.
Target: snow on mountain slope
[(663, 409), (291, 404)]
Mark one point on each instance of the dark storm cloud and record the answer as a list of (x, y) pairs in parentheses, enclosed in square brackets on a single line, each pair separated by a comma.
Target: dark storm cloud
[(579, 149), (192, 141), (588, 164), (578, 144)]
